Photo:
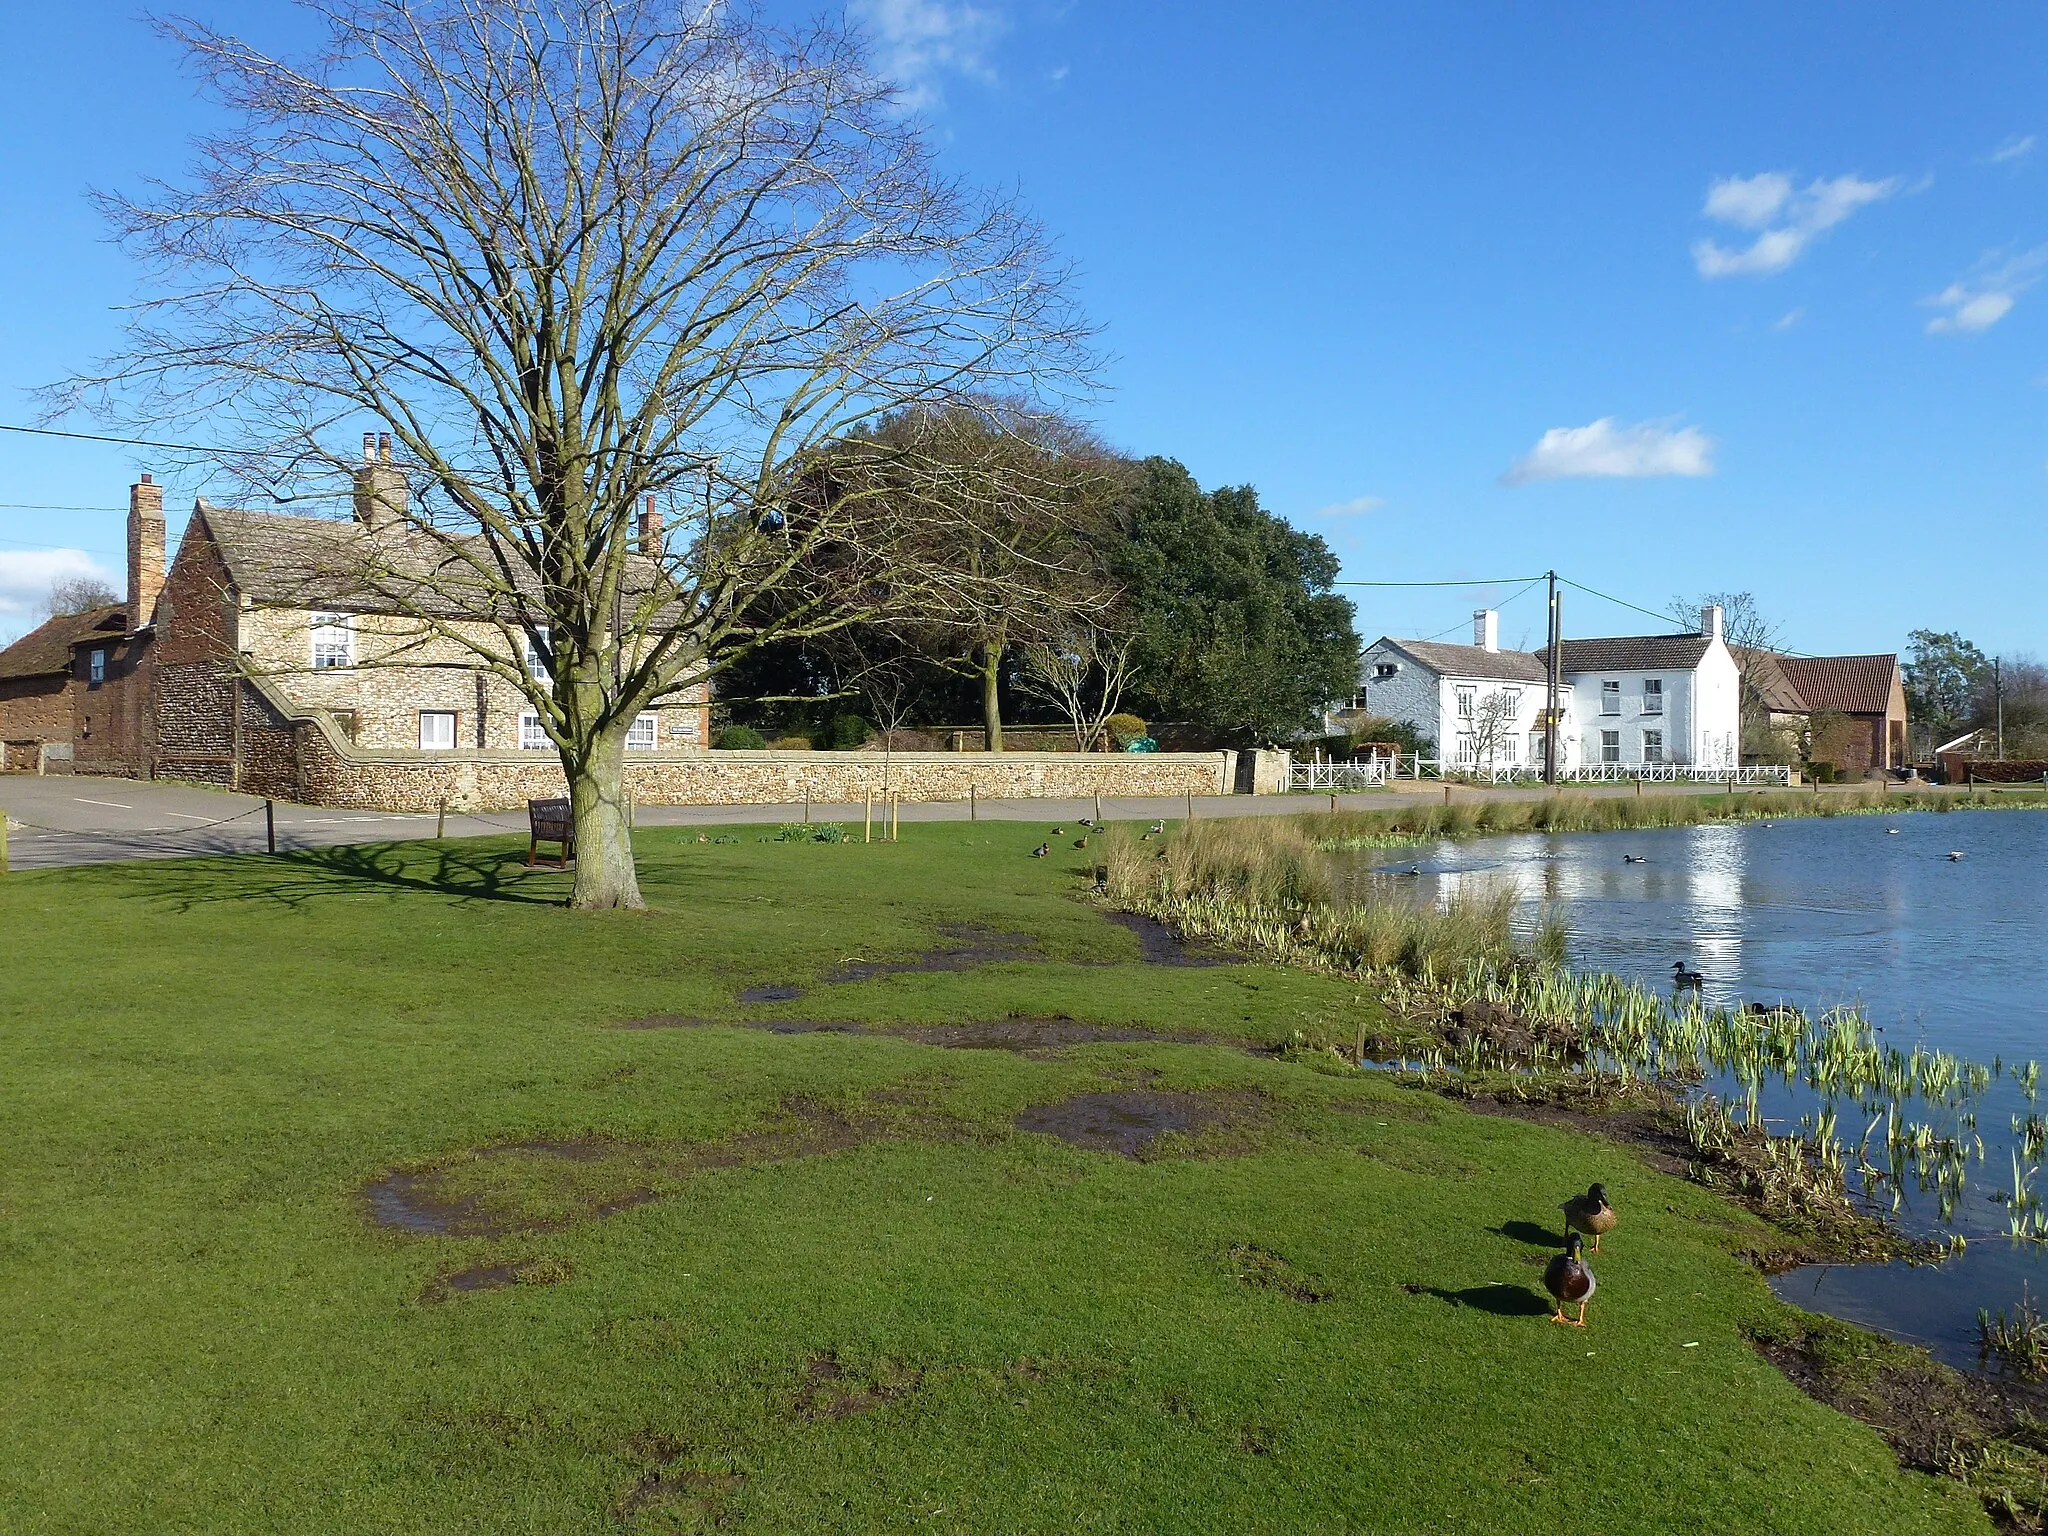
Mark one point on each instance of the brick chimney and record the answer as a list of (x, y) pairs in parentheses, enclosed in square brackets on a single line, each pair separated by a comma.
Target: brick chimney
[(1486, 629), (650, 527), (381, 493), (145, 550)]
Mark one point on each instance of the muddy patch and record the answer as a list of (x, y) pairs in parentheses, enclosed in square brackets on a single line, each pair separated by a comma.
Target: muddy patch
[(831, 1390), (495, 1277), (1027, 1034), (773, 992), (1160, 945), (1264, 1270), (772, 1026), (684, 1494), (1130, 1122), (970, 945), (544, 1186)]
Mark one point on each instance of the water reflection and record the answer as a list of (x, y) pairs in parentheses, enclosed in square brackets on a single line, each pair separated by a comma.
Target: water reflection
[(1862, 910)]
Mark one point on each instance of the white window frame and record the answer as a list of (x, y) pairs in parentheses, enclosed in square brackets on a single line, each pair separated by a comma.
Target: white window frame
[(644, 734), (331, 641), (1653, 695), (1610, 696), (536, 663), (1467, 748), (1468, 703), (1510, 748), (454, 719), (1653, 746), (96, 667), (1610, 746), (533, 737), (1385, 671)]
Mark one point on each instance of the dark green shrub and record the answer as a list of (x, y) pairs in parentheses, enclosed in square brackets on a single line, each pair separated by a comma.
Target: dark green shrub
[(846, 733), (738, 738)]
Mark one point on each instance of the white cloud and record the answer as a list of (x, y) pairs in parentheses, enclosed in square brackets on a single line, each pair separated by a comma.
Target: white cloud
[(1608, 450), (25, 578), (918, 42), (1790, 318), (1357, 506), (1987, 295), (2017, 147), (1786, 219)]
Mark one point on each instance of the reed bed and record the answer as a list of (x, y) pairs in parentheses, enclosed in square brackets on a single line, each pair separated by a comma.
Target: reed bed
[(1428, 821), (1889, 1118)]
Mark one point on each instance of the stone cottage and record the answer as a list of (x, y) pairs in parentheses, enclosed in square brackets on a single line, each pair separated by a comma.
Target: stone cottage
[(268, 658)]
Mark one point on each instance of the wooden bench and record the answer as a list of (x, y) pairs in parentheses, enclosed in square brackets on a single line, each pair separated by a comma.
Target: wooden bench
[(550, 821)]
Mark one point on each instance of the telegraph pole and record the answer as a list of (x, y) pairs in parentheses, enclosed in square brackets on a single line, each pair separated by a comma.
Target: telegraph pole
[(1550, 690)]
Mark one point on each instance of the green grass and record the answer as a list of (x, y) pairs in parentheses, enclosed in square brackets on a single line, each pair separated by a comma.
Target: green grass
[(205, 1062)]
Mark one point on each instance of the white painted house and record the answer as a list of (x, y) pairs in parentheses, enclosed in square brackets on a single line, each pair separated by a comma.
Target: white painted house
[(1629, 703)]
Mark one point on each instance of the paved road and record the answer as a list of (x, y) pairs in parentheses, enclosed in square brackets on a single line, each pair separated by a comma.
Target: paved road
[(64, 820)]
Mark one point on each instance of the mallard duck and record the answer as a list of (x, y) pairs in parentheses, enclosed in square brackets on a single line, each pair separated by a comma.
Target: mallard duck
[(1590, 1213), (1681, 977), (1041, 850), (1080, 842), (1635, 858), (1568, 1278), (1158, 827)]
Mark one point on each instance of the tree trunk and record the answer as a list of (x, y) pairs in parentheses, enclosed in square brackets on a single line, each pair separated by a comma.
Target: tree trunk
[(991, 699), (605, 876)]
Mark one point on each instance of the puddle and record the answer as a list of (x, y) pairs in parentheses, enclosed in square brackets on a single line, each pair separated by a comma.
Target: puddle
[(775, 992), (1160, 945), (1126, 1122), (495, 1277), (974, 945)]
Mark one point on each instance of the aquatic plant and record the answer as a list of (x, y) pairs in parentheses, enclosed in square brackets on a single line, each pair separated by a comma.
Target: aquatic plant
[(2018, 1340)]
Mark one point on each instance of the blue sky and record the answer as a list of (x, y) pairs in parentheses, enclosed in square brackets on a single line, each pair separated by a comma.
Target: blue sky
[(1671, 298)]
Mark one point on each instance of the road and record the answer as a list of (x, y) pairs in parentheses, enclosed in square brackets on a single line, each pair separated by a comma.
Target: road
[(65, 820)]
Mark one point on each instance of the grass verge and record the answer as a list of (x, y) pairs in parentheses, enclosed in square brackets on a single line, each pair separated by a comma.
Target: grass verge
[(798, 1277)]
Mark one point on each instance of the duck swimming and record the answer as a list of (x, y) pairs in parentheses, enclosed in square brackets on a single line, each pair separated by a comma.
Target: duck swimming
[(1590, 1213), (1681, 977), (1568, 1279)]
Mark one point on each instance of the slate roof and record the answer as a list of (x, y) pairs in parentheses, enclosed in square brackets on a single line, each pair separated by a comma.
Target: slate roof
[(45, 651), (1633, 653), (317, 562), (1849, 685), (1474, 661)]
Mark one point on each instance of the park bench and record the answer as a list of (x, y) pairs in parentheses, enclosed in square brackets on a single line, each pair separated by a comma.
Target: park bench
[(549, 821)]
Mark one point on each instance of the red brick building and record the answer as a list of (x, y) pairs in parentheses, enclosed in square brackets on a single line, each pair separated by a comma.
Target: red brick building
[(1868, 694), (35, 689)]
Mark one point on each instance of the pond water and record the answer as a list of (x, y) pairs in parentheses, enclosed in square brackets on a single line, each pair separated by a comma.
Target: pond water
[(1864, 910)]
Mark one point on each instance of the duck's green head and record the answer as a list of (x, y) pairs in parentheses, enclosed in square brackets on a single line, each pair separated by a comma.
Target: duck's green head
[(1597, 1194)]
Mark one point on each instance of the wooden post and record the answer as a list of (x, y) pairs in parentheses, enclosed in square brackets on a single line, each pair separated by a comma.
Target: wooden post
[(1639, 786), (632, 809), (441, 818), (1098, 807), (867, 820), (895, 804), (973, 805), (1191, 805), (807, 805), (1447, 794), (270, 825), (1333, 805), (3, 842)]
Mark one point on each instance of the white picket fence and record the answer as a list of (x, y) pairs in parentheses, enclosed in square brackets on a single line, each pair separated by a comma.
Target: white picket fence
[(1333, 777), (1337, 777)]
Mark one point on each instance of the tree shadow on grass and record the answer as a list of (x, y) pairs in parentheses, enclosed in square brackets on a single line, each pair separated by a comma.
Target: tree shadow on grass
[(1533, 1233), (303, 875), (1500, 1300)]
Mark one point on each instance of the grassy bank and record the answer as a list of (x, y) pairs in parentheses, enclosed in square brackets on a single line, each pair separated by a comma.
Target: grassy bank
[(1418, 820), (694, 1274)]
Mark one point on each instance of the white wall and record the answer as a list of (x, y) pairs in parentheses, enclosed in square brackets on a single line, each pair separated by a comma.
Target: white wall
[(1700, 722), (1411, 694), (1458, 745)]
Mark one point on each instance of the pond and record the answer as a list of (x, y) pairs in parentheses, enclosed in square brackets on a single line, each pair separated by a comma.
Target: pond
[(1867, 910)]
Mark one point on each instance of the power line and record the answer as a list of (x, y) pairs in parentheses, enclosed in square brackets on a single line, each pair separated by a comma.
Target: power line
[(1503, 603), (1490, 581), (1662, 618), (126, 442), (44, 506)]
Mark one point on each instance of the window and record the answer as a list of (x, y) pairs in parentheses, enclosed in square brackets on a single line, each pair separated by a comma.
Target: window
[(1653, 696), (334, 641), (1467, 700), (1465, 752), (537, 655), (1514, 698), (437, 730), (1385, 670), (641, 735), (96, 667), (1653, 746), (1510, 749), (531, 737), (1610, 698), (1610, 746)]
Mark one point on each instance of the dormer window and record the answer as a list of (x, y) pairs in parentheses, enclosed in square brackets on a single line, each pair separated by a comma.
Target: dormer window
[(96, 667)]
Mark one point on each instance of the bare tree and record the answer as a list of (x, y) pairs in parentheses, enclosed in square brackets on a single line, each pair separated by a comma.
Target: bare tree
[(575, 255), (1754, 640), (1083, 673), (78, 594), (1493, 725), (1030, 495)]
